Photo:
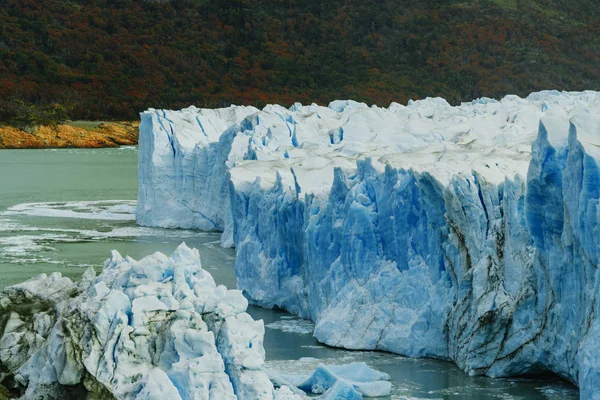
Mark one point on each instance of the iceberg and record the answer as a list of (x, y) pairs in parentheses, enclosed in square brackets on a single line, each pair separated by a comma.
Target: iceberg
[(467, 233), (341, 390), (356, 376), (155, 328), (347, 381)]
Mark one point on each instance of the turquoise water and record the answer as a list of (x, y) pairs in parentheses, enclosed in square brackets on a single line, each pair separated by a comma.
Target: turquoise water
[(62, 210), (65, 210)]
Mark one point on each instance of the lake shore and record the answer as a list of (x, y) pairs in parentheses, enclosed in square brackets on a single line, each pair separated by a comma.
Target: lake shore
[(73, 134)]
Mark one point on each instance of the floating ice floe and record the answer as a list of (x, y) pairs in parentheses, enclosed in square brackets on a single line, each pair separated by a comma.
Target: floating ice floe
[(358, 376), (353, 380), (112, 210), (295, 325), (128, 148), (25, 240)]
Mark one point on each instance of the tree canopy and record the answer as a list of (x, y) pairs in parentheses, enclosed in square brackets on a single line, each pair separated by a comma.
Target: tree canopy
[(110, 59)]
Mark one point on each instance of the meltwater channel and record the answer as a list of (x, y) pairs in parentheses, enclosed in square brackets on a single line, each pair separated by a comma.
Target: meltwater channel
[(64, 210)]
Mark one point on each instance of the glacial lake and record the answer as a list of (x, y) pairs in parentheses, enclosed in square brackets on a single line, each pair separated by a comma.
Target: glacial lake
[(65, 210)]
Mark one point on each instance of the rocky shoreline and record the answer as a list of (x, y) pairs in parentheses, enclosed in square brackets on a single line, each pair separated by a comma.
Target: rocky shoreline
[(75, 134)]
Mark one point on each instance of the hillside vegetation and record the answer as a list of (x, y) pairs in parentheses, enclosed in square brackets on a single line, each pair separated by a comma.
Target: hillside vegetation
[(110, 59)]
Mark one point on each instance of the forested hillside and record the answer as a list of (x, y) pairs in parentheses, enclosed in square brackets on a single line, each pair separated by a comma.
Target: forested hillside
[(111, 59)]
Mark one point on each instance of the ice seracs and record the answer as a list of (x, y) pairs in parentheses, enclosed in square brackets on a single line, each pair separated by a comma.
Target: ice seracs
[(155, 328), (466, 233)]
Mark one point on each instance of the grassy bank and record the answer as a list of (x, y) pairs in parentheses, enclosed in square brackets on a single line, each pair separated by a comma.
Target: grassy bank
[(84, 134)]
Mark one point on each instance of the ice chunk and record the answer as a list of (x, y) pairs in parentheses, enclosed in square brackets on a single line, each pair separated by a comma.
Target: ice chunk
[(151, 329), (363, 379), (342, 390), (285, 393), (359, 372)]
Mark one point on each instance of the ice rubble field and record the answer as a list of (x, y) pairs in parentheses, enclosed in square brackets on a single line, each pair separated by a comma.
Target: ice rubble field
[(158, 328), (467, 233)]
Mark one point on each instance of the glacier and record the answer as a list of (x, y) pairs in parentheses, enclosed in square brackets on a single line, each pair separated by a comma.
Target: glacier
[(467, 233)]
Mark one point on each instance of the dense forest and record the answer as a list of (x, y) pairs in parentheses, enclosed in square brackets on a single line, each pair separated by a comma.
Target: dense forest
[(110, 59)]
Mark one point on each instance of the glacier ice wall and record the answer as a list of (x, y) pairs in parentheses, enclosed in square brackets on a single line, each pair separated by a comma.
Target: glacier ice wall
[(179, 185), (465, 233)]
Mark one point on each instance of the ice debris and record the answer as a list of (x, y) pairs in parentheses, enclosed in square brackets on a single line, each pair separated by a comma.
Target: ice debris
[(158, 328)]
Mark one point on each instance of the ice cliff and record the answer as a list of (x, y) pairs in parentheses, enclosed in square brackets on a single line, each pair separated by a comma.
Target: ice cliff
[(467, 233), (158, 328)]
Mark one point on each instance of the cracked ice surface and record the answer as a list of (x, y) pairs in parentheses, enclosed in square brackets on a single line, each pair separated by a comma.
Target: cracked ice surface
[(466, 233)]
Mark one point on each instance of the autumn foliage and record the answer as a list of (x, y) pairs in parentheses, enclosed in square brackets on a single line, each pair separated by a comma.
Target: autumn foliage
[(75, 134), (110, 59)]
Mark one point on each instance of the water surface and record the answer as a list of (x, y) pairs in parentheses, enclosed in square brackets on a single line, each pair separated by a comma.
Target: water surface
[(65, 210)]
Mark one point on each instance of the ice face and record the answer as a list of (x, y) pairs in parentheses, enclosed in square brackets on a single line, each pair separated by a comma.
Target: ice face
[(466, 233), (181, 159), (155, 328)]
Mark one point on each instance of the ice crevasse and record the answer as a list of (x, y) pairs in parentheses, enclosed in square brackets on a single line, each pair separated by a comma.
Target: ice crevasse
[(468, 233)]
